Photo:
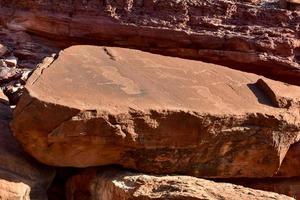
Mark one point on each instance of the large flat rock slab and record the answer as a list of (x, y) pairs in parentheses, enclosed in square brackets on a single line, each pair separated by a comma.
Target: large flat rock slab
[(287, 186), (98, 106), (234, 33)]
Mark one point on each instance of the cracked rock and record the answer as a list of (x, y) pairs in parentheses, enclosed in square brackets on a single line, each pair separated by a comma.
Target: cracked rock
[(3, 50), (11, 61)]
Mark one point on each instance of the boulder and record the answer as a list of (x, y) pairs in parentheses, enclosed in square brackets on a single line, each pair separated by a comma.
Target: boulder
[(124, 185), (233, 33), (14, 190), (290, 4), (11, 61), (3, 50), (98, 106), (21, 177)]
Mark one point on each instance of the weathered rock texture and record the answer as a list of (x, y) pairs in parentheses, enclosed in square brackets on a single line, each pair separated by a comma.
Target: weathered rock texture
[(242, 36), (291, 163), (122, 185), (20, 176), (98, 106), (287, 186), (29, 49)]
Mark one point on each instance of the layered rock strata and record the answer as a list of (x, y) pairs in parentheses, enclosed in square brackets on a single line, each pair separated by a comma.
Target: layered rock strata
[(247, 37), (21, 177)]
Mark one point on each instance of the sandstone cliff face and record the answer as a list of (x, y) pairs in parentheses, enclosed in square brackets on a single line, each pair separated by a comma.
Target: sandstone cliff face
[(242, 36)]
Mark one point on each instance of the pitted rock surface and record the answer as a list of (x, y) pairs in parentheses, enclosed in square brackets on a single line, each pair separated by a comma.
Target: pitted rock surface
[(124, 185)]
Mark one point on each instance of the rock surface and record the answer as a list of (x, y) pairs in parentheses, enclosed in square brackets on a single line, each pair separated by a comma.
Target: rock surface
[(287, 186), (23, 53), (20, 176), (247, 37), (122, 185), (290, 4), (170, 115), (291, 163)]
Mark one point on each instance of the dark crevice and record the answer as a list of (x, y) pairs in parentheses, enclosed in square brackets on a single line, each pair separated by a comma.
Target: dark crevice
[(297, 54), (57, 190)]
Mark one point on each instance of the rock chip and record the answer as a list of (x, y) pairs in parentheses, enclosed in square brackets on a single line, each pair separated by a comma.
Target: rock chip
[(11, 61), (123, 185), (21, 177), (14, 190), (156, 114)]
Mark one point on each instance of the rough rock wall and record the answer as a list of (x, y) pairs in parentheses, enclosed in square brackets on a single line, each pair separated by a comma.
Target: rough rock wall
[(232, 33)]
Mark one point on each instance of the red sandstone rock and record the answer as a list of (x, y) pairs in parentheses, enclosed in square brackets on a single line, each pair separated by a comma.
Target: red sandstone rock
[(242, 36), (287, 186), (98, 106), (21, 177), (291, 163), (122, 185), (9, 74)]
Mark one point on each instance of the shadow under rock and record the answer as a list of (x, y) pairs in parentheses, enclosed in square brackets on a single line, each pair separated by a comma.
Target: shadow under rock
[(16, 166), (260, 95)]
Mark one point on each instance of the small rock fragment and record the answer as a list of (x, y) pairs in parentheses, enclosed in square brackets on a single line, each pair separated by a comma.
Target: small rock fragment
[(117, 184), (11, 61), (21, 177), (155, 114)]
